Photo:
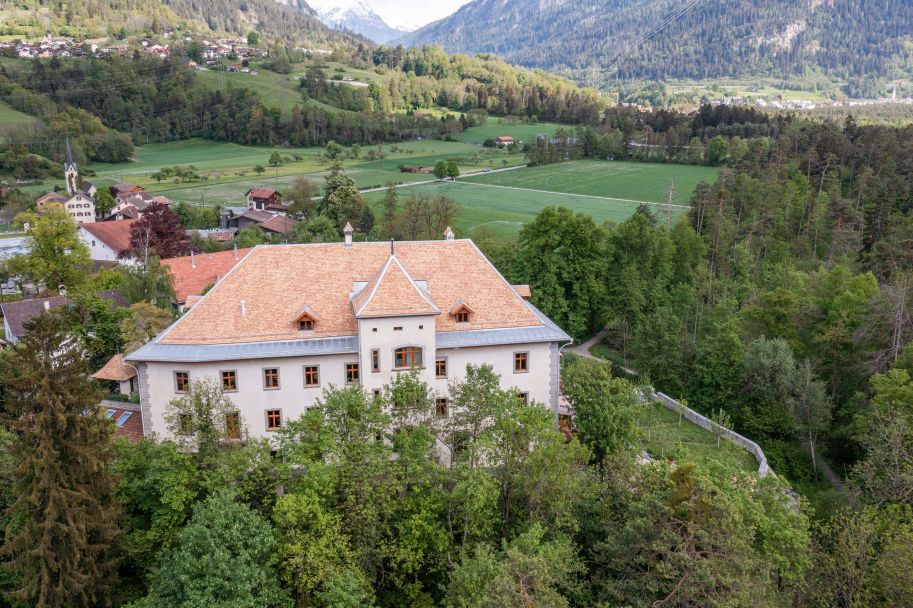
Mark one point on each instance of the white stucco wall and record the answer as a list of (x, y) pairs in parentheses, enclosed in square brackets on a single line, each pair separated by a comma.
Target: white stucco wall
[(293, 398), (99, 251)]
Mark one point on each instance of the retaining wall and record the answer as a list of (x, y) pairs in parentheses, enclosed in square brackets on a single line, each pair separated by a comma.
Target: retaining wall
[(711, 426)]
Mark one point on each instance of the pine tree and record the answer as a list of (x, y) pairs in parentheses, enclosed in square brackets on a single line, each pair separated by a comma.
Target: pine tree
[(64, 528)]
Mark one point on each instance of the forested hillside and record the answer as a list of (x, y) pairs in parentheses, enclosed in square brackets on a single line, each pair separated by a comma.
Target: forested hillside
[(857, 40), (292, 22)]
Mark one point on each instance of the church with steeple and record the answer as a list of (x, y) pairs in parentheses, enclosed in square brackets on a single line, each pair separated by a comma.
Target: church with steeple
[(79, 199)]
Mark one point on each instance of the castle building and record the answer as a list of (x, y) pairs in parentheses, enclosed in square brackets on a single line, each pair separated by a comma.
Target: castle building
[(288, 321)]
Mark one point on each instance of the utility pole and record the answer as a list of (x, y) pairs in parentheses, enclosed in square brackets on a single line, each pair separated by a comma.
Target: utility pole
[(671, 197)]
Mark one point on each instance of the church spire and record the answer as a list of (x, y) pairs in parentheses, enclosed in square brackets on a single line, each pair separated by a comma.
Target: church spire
[(69, 154), (70, 174)]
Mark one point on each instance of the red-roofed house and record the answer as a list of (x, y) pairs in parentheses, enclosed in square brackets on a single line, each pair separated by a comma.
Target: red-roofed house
[(107, 240), (128, 418), (504, 140), (278, 224), (263, 198), (192, 274)]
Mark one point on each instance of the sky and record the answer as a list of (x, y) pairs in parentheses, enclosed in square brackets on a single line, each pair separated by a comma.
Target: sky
[(405, 13)]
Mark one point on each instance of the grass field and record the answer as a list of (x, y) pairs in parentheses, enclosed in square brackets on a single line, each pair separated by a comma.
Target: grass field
[(611, 179), (664, 438), (498, 204), (496, 127), (10, 117)]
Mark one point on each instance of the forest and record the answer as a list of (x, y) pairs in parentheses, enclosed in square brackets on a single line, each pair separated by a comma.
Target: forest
[(862, 43), (105, 106)]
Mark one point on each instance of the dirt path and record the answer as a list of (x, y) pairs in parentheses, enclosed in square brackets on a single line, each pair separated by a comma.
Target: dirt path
[(583, 350)]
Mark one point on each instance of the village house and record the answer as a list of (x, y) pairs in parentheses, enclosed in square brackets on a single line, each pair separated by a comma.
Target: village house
[(504, 141), (135, 206), (288, 321), (264, 199), (268, 221), (17, 314), (191, 275), (108, 241)]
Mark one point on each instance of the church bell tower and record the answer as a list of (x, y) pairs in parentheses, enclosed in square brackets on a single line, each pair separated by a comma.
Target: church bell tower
[(70, 174)]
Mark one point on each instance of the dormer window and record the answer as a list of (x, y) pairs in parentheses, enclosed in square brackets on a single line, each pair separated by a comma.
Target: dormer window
[(461, 312), (307, 319)]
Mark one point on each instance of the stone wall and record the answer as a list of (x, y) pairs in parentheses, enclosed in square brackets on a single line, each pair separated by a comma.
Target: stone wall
[(709, 425)]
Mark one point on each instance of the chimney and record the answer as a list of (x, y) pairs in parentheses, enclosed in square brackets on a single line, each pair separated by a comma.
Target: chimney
[(348, 231), (448, 234), (193, 260), (243, 310)]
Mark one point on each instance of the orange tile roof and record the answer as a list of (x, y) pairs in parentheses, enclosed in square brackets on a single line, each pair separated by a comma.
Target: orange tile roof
[(392, 293), (191, 275), (275, 282), (115, 235), (115, 370)]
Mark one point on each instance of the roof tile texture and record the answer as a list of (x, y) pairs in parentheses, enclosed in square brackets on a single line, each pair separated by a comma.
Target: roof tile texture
[(190, 276), (392, 293), (275, 282)]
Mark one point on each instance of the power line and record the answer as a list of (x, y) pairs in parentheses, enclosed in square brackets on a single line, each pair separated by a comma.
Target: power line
[(631, 48)]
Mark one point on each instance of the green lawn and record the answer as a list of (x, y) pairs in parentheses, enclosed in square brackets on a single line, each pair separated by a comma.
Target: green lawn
[(610, 179), (501, 212), (664, 437), (280, 90), (10, 117), (496, 127)]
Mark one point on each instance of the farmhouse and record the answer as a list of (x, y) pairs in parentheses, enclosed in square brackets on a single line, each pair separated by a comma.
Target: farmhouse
[(290, 320), (263, 198), (504, 140), (108, 241)]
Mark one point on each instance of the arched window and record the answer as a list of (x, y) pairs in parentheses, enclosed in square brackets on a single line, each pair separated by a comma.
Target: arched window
[(407, 357)]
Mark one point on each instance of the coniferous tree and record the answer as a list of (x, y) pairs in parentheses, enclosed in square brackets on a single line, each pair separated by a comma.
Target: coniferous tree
[(64, 522)]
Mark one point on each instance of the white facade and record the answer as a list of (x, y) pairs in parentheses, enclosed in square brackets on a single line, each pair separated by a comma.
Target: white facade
[(293, 397), (101, 251), (81, 208)]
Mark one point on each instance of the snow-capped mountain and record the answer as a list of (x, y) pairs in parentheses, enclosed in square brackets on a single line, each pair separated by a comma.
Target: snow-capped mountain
[(357, 16)]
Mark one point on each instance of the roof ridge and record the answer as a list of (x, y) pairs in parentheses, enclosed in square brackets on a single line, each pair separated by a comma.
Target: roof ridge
[(378, 281)]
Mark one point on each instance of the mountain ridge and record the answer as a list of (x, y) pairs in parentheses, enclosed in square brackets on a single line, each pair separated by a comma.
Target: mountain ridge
[(842, 39), (359, 17)]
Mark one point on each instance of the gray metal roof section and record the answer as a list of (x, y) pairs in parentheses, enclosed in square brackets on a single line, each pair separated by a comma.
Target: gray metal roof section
[(199, 353)]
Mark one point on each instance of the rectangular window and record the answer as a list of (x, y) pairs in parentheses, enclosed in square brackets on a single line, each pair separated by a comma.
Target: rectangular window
[(397, 329), (233, 425), (521, 363), (462, 317), (440, 368), (306, 325), (408, 357), (524, 398), (185, 424), (352, 373), (377, 393), (181, 382), (273, 420), (312, 375), (440, 408), (375, 360), (271, 378), (123, 418), (230, 380)]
